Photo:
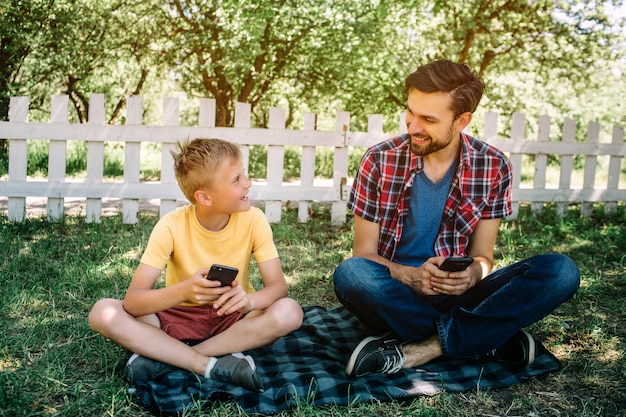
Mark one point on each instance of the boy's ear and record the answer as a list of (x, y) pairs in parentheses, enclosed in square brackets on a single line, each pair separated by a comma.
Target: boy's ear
[(202, 197)]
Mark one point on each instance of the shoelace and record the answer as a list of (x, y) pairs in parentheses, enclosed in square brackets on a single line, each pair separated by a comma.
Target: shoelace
[(393, 361)]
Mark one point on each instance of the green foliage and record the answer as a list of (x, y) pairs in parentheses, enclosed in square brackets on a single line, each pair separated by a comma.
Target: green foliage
[(4, 163), (565, 59), (37, 163), (76, 157), (257, 164), (542, 56), (21, 23), (324, 160), (76, 160), (82, 47)]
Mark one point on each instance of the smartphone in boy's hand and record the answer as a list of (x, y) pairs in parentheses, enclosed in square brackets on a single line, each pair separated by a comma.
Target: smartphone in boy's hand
[(222, 273), (455, 264)]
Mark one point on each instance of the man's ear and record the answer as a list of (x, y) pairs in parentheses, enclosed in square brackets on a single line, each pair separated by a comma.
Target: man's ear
[(202, 197), (463, 120)]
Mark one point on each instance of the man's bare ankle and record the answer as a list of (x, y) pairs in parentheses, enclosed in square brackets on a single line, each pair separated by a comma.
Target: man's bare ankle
[(422, 352)]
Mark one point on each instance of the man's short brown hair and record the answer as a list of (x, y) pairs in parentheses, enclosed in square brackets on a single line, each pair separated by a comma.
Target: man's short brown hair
[(465, 88)]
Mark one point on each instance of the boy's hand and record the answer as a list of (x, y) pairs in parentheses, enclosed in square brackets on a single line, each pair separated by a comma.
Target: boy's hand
[(234, 300), (201, 291)]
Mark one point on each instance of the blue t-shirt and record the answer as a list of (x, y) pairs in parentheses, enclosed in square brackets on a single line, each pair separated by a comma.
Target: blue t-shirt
[(428, 199)]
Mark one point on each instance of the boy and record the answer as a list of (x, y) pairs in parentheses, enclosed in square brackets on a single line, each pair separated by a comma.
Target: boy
[(194, 323)]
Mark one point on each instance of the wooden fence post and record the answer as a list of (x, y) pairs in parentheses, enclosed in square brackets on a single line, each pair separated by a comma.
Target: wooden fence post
[(541, 162), (57, 156), (402, 127), (275, 164), (491, 126), (340, 171), (208, 108), (518, 133), (18, 152), (615, 163), (95, 157), (242, 120), (593, 135), (171, 117), (132, 157), (307, 167), (375, 123), (567, 165)]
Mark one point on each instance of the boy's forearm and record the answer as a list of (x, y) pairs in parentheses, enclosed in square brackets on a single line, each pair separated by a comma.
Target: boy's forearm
[(141, 302), (266, 296)]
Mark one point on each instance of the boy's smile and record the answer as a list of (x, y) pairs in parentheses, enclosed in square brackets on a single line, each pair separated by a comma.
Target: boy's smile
[(227, 194), (229, 188)]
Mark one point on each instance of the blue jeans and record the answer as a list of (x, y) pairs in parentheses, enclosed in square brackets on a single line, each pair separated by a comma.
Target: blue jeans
[(470, 324)]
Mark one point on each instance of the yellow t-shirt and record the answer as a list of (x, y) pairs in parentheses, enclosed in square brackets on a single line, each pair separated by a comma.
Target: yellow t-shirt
[(179, 242)]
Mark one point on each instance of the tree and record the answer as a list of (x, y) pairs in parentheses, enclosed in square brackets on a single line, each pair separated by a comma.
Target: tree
[(325, 55), (95, 46), (545, 48), (255, 51), (20, 26)]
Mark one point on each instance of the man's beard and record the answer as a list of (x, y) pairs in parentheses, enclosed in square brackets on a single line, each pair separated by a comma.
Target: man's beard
[(433, 145), (422, 150)]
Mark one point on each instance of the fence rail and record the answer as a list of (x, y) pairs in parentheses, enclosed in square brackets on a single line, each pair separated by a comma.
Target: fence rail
[(273, 191)]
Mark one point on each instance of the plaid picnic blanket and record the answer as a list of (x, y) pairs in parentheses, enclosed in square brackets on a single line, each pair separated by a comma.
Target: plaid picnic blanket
[(307, 367)]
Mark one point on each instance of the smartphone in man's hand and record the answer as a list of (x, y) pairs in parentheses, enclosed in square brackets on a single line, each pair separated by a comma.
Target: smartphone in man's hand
[(456, 264), (222, 273)]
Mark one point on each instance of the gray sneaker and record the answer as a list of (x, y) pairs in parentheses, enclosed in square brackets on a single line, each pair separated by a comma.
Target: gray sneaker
[(376, 354), (237, 369), (140, 368)]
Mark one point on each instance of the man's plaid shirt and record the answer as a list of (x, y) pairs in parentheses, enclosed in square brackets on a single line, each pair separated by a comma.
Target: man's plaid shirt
[(481, 189)]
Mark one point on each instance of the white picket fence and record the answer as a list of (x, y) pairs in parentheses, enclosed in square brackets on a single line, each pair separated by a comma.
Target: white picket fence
[(273, 192)]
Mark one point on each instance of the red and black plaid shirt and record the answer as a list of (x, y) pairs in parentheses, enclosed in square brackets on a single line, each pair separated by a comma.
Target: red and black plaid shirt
[(481, 189)]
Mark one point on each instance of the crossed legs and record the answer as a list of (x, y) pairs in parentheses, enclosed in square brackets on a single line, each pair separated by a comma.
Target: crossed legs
[(143, 335)]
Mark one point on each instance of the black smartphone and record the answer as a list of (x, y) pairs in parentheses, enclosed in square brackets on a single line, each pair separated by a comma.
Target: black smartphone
[(222, 273), (455, 264)]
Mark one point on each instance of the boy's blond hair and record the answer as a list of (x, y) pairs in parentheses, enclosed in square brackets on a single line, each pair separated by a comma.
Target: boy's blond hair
[(196, 162)]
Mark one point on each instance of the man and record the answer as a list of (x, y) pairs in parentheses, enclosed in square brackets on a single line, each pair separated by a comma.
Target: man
[(420, 198)]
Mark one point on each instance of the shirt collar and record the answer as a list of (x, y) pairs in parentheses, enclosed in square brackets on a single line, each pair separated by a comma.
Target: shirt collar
[(466, 152)]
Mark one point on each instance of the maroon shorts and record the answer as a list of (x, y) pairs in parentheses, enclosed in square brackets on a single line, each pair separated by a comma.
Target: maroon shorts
[(195, 323)]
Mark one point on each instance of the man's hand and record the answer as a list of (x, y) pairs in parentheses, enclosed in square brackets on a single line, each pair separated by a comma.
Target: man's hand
[(428, 279), (416, 278), (449, 283)]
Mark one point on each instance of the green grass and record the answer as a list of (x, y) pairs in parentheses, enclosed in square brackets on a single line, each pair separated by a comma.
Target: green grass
[(52, 364)]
